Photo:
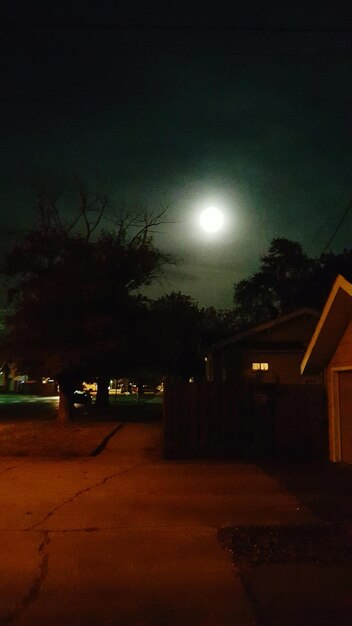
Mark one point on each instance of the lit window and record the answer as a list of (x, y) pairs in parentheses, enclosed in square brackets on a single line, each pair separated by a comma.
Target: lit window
[(260, 366)]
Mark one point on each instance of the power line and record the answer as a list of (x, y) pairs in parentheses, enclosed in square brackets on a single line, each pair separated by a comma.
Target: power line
[(168, 26), (340, 222), (316, 234)]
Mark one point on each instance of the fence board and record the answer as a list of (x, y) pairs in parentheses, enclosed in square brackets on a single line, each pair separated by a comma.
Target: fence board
[(238, 420)]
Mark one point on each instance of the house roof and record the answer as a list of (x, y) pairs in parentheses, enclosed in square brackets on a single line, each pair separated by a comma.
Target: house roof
[(336, 315), (266, 327)]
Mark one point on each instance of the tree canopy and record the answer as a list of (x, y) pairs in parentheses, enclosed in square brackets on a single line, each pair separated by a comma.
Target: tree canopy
[(73, 294), (176, 322), (288, 279)]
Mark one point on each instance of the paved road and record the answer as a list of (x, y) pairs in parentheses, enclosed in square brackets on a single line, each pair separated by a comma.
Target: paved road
[(17, 407), (127, 538)]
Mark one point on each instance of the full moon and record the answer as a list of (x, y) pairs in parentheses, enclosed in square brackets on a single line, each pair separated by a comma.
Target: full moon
[(211, 219)]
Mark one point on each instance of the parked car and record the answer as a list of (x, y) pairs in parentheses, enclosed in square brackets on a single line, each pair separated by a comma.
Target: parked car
[(149, 389), (82, 398)]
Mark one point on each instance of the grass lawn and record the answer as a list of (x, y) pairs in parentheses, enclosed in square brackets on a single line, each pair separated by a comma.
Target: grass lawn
[(48, 439), (132, 400), (28, 424)]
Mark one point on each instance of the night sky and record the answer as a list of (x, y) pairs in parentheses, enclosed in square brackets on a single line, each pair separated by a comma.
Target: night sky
[(186, 105)]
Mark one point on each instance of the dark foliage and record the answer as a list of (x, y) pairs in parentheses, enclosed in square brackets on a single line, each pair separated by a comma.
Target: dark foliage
[(73, 302), (288, 280)]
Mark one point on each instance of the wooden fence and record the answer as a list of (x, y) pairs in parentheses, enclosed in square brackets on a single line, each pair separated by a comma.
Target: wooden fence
[(244, 420)]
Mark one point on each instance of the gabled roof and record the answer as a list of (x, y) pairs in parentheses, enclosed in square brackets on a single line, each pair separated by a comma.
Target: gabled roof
[(336, 315), (266, 326)]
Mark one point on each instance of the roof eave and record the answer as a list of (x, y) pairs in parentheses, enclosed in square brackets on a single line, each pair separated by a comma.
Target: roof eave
[(262, 327), (332, 324)]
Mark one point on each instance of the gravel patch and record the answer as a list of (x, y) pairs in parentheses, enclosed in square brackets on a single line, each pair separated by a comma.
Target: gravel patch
[(329, 544)]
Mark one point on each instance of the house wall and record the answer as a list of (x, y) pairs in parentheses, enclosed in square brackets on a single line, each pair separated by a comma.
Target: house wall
[(284, 366), (343, 353), (283, 345), (224, 365), (341, 360)]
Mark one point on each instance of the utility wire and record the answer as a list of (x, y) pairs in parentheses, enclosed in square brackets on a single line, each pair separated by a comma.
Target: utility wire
[(139, 25), (340, 222), (316, 234)]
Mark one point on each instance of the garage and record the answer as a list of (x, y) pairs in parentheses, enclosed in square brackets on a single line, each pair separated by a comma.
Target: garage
[(345, 414), (330, 351)]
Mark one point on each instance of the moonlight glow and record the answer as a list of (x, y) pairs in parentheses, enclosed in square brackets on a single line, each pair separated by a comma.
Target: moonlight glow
[(211, 219)]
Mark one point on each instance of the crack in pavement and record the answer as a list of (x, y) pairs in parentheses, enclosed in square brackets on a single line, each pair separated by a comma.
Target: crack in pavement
[(79, 493), (35, 587), (99, 449), (103, 529), (7, 469)]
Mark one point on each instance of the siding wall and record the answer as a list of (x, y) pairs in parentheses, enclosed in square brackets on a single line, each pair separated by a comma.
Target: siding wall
[(343, 353), (342, 358), (284, 367)]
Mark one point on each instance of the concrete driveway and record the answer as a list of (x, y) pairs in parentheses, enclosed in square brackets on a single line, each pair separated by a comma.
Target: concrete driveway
[(129, 539)]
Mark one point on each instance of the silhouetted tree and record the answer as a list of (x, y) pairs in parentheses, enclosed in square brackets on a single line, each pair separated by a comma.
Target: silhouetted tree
[(174, 340), (216, 324), (181, 333), (73, 290), (288, 280)]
